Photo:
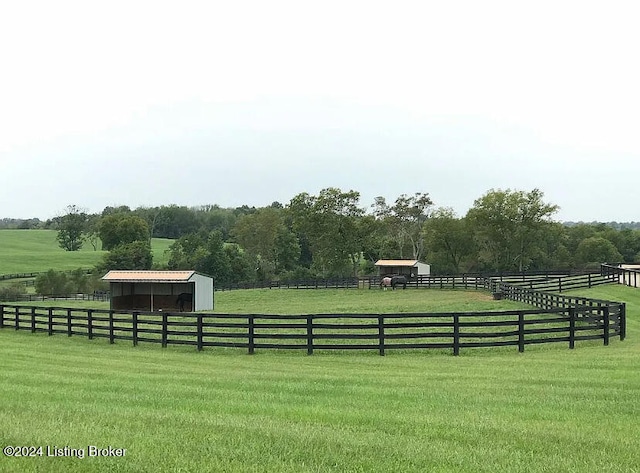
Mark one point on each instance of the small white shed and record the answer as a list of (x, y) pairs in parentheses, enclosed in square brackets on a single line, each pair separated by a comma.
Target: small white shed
[(407, 267), (160, 290)]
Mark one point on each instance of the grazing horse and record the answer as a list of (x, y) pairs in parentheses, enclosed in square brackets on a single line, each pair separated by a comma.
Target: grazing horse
[(182, 298), (385, 283), (398, 281)]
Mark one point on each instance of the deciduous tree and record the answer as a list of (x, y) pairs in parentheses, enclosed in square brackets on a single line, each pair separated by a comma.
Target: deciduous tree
[(122, 228), (71, 228), (507, 226), (329, 221), (404, 221)]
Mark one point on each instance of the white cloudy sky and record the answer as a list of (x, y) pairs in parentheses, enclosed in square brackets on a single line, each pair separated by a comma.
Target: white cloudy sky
[(247, 102)]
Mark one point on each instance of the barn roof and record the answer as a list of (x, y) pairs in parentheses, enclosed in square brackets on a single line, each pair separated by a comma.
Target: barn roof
[(396, 262), (148, 276)]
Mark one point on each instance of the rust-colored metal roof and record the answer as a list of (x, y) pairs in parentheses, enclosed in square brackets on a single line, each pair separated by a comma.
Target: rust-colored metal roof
[(396, 262), (148, 276)]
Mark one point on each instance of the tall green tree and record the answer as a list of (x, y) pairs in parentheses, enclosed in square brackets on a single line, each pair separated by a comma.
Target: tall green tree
[(266, 237), (595, 250), (174, 221), (449, 242), (136, 255), (203, 253), (404, 222), (508, 225), (71, 228), (329, 222), (122, 228)]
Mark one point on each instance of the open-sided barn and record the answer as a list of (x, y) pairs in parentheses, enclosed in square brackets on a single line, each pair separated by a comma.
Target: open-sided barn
[(160, 290), (407, 267)]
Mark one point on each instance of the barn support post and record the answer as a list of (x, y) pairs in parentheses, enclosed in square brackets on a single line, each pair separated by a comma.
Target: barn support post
[(309, 335)]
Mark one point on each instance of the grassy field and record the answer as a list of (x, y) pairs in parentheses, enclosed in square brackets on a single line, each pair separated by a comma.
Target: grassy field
[(177, 409), (26, 251), (348, 301)]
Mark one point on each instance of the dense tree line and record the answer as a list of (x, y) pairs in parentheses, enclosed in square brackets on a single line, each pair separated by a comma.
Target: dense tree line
[(333, 234)]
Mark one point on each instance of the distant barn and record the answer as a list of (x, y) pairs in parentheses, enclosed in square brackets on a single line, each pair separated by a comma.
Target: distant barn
[(410, 268), (159, 290)]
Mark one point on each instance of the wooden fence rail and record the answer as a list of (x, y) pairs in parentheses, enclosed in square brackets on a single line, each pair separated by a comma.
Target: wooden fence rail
[(629, 276), (379, 332)]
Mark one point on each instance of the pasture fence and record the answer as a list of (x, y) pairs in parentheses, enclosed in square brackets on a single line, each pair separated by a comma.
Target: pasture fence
[(5, 277), (466, 280), (628, 275), (377, 332), (556, 318)]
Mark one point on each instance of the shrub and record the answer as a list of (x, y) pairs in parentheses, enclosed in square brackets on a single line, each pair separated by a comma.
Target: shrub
[(11, 293)]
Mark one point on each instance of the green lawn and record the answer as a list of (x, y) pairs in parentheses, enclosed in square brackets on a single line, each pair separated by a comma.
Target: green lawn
[(177, 409), (26, 251)]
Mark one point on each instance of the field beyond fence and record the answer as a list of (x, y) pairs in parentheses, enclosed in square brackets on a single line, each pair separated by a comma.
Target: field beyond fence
[(556, 318), (379, 332)]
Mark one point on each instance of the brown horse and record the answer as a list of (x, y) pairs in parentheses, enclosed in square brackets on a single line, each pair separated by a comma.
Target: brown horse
[(393, 282), (182, 299)]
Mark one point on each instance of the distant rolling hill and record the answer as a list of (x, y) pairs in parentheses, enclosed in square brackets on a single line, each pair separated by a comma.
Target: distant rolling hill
[(26, 251)]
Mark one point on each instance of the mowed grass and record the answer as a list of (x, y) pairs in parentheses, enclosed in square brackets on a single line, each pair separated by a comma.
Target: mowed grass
[(333, 301), (349, 301), (177, 409), (27, 251)]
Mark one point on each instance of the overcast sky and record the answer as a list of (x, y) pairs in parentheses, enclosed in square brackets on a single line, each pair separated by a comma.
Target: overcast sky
[(145, 103)]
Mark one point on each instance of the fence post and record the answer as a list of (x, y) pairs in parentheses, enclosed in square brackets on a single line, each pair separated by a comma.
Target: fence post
[(111, 334), (589, 280), (605, 317), (309, 335), (200, 335), (69, 323), (623, 321), (134, 333), (90, 323), (165, 325), (251, 334), (456, 334), (17, 321), (50, 321), (33, 320), (1, 316), (572, 327), (381, 334), (521, 331)]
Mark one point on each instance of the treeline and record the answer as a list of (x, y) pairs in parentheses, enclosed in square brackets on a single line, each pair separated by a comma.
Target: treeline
[(332, 234)]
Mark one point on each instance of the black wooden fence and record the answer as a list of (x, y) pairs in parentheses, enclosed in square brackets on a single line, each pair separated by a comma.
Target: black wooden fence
[(626, 276), (379, 332)]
